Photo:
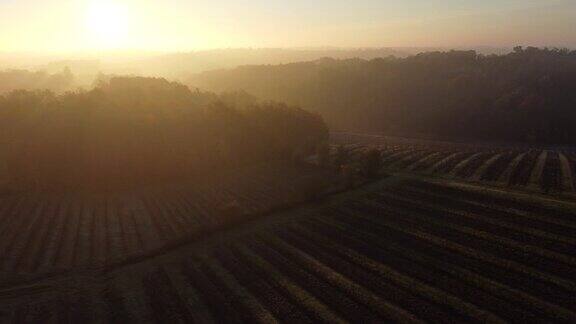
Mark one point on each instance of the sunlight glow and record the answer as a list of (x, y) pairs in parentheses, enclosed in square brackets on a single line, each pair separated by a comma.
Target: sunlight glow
[(67, 26), (108, 24)]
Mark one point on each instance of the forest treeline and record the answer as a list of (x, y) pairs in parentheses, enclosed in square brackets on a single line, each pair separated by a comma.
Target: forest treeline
[(528, 95), (35, 80), (133, 130)]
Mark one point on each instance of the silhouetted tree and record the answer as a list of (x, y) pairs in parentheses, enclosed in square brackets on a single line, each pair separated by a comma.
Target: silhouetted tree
[(323, 153), (372, 164), (341, 157)]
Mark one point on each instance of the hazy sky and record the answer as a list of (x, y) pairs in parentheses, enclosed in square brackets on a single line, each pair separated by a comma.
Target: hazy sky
[(89, 25)]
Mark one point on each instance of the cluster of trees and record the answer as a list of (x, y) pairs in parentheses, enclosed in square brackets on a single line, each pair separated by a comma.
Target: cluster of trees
[(22, 79), (528, 95), (133, 131)]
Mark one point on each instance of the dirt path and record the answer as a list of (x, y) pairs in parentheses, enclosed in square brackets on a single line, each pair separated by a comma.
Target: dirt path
[(462, 164), (478, 173), (507, 174), (567, 176), (536, 175)]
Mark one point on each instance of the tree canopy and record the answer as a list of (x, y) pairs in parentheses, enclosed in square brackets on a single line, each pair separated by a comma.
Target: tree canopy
[(132, 130), (26, 80), (528, 95)]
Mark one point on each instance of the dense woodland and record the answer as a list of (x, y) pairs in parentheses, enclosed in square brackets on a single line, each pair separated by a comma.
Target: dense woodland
[(131, 130), (528, 95)]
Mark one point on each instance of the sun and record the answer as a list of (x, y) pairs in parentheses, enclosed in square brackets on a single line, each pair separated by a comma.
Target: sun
[(107, 24)]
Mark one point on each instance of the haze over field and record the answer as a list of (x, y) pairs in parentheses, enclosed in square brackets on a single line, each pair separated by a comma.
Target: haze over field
[(440, 68), (57, 26), (175, 38), (287, 161)]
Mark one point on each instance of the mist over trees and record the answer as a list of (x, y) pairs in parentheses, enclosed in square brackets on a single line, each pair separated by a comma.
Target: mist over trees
[(133, 131), (180, 65), (28, 80), (528, 95)]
